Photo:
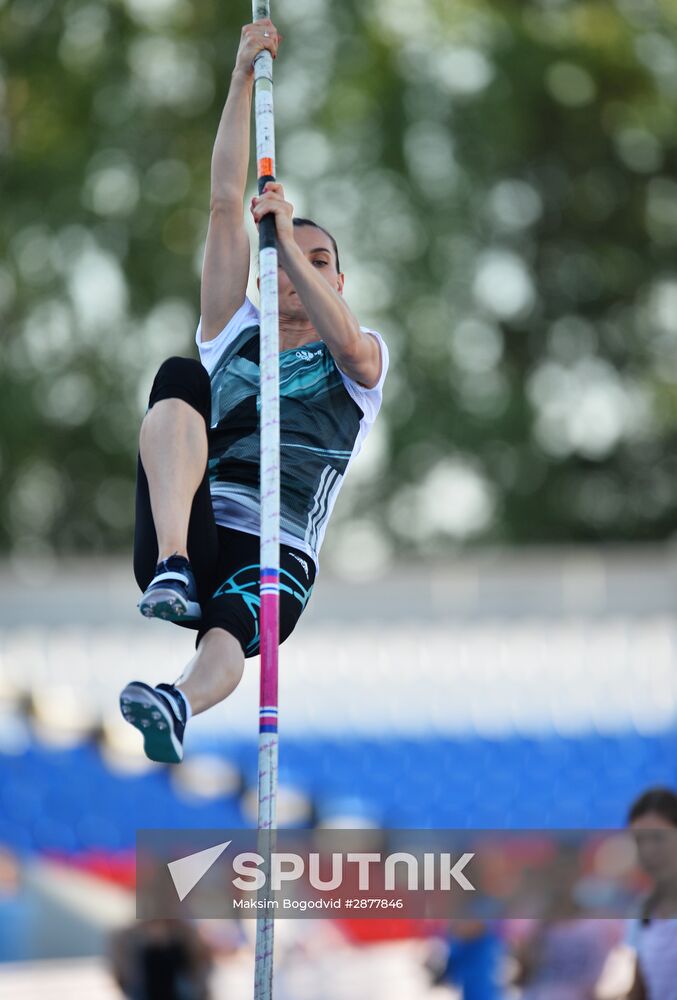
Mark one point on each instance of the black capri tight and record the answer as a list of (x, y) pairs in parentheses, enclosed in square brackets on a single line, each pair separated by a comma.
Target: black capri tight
[(225, 561)]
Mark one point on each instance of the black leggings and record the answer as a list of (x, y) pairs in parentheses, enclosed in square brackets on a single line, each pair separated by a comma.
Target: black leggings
[(225, 561)]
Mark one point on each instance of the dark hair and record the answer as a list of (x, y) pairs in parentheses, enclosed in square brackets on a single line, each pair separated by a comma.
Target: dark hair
[(661, 801), (309, 222)]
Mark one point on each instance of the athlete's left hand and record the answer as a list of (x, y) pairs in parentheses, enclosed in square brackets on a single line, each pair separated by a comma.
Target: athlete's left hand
[(272, 201)]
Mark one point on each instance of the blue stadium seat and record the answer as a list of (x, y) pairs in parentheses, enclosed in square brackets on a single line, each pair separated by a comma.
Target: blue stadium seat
[(69, 800)]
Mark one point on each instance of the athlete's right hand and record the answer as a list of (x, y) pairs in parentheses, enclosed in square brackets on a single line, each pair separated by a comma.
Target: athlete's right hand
[(253, 41)]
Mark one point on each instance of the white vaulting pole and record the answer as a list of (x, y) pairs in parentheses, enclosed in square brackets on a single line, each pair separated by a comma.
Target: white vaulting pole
[(270, 501)]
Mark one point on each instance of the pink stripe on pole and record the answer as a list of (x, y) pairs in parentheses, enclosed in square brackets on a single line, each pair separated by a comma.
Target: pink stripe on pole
[(270, 633)]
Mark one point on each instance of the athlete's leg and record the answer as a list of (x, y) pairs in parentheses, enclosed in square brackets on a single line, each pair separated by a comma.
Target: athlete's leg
[(229, 631), (173, 515), (173, 452), (173, 503), (172, 470), (161, 713), (214, 672)]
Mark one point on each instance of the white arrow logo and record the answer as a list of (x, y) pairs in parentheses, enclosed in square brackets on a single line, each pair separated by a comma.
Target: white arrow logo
[(187, 872)]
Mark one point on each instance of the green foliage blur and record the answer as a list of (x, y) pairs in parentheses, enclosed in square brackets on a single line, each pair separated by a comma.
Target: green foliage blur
[(501, 178)]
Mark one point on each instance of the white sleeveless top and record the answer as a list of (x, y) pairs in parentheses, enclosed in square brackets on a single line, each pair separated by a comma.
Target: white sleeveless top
[(656, 944)]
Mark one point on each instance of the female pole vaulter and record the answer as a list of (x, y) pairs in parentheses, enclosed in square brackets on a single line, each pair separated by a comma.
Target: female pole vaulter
[(196, 546)]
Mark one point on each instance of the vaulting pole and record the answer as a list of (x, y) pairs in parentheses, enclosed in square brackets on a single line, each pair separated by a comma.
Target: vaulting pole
[(270, 499)]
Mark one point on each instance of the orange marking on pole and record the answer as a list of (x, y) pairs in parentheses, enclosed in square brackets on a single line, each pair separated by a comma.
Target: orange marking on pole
[(266, 167)]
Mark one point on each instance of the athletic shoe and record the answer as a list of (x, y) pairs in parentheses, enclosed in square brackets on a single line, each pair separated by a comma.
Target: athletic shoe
[(160, 716), (172, 593)]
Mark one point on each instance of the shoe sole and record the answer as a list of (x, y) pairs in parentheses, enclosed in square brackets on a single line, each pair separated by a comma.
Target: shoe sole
[(144, 710), (168, 605)]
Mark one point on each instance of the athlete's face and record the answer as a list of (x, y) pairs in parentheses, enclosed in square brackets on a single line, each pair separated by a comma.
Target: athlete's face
[(656, 840), (317, 248)]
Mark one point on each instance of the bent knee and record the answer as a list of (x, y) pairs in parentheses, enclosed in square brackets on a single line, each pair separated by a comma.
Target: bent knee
[(185, 379), (182, 368), (221, 639)]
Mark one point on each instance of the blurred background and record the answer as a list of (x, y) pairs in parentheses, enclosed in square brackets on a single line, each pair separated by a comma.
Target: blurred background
[(494, 623)]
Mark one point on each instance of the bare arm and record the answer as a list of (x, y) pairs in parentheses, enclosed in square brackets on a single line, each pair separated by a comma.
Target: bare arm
[(225, 268), (356, 353)]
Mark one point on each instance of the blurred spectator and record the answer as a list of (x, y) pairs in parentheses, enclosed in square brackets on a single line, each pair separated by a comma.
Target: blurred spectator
[(653, 819), (161, 960), (562, 957), (474, 961)]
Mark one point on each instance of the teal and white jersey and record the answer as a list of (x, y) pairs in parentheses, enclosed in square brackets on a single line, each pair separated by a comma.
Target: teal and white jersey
[(324, 418)]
